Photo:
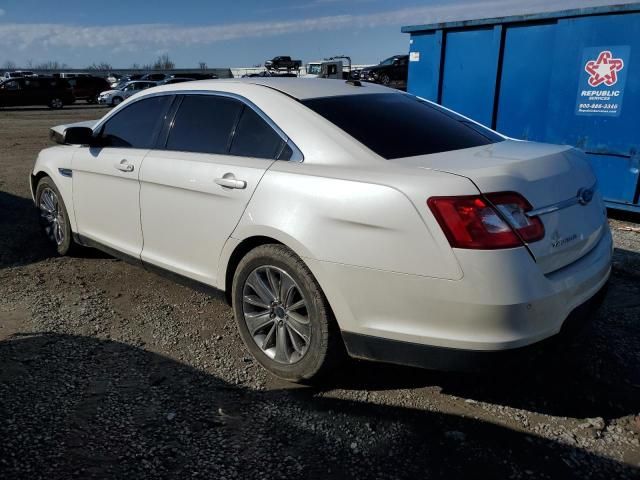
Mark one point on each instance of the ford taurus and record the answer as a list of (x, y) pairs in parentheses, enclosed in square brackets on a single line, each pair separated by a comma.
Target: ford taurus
[(338, 217)]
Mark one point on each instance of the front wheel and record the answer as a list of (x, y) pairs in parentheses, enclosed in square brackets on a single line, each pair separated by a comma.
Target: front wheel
[(56, 103), (53, 216), (283, 316)]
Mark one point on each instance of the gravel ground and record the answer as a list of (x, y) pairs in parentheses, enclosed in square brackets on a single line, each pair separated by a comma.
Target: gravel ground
[(109, 371)]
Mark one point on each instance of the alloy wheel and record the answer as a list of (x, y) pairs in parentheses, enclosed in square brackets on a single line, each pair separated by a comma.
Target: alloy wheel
[(276, 315), (56, 103), (52, 216)]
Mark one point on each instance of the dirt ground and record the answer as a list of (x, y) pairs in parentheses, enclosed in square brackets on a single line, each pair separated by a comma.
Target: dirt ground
[(109, 371)]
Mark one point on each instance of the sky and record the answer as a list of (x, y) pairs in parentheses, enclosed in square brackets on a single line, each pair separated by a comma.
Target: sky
[(239, 33)]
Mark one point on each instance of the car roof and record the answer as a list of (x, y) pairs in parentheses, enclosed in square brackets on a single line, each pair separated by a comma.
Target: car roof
[(298, 88)]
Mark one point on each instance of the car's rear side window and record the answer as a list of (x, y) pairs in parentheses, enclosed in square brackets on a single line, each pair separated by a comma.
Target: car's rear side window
[(255, 138), (396, 125), (204, 124), (136, 125)]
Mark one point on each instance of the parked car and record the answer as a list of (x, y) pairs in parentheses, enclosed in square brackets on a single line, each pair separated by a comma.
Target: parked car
[(172, 80), (123, 80), (116, 96), (196, 75), (283, 63), (337, 216), (113, 78), (155, 77), (24, 91), (19, 74), (72, 74), (269, 73), (392, 72), (88, 88)]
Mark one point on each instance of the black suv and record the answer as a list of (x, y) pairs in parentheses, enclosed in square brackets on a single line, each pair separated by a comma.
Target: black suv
[(391, 72), (196, 76), (53, 92), (88, 88)]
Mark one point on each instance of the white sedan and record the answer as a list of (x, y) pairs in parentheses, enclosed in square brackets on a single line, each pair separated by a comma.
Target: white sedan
[(116, 96), (337, 217)]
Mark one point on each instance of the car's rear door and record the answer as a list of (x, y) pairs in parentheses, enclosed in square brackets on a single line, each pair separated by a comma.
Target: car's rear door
[(12, 93), (106, 190), (195, 189), (81, 87)]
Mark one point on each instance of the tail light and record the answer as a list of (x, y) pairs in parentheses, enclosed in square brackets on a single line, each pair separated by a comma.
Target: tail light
[(492, 221)]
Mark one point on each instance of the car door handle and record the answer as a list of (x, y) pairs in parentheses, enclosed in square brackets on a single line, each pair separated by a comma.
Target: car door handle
[(229, 181), (124, 166)]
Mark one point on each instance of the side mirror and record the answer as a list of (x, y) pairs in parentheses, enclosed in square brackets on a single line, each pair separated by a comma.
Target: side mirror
[(73, 136)]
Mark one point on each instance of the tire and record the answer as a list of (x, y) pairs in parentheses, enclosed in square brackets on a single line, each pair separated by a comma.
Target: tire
[(56, 103), (116, 101), (279, 344), (53, 216), (385, 80)]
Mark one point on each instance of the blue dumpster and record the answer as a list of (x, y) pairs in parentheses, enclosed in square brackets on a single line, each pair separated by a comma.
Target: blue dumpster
[(569, 77)]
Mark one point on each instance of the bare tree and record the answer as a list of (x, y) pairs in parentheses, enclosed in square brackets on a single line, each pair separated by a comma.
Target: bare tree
[(203, 66), (100, 66), (10, 65), (51, 65), (135, 66), (164, 63)]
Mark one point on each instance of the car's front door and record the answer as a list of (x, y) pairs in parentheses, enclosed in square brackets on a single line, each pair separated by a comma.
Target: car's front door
[(106, 190), (194, 192)]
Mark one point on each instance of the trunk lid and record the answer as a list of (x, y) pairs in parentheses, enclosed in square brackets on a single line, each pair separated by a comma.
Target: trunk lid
[(547, 176)]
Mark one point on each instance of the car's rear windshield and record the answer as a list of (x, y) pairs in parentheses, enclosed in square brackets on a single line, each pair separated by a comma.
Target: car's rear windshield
[(396, 125)]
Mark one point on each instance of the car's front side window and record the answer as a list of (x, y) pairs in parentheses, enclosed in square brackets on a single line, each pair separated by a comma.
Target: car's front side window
[(31, 84), (12, 85), (136, 126)]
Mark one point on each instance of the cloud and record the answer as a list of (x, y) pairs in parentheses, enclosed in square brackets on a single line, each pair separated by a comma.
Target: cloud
[(2, 12), (166, 36)]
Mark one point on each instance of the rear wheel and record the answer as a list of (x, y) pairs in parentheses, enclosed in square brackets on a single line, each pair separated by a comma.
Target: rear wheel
[(385, 80), (283, 316), (116, 101), (53, 216), (56, 103)]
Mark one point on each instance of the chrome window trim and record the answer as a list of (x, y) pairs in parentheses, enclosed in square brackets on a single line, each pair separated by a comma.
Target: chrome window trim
[(297, 155)]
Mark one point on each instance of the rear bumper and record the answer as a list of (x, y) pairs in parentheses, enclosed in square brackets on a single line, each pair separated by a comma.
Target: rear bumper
[(453, 359), (502, 302)]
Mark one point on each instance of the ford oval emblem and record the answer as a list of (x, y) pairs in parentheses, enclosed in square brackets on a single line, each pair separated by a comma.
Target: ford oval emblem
[(585, 195)]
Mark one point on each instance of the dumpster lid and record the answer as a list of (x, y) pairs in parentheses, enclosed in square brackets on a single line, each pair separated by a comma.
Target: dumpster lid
[(476, 22)]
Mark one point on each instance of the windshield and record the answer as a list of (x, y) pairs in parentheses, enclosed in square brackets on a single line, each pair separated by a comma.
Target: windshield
[(388, 61), (396, 125)]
